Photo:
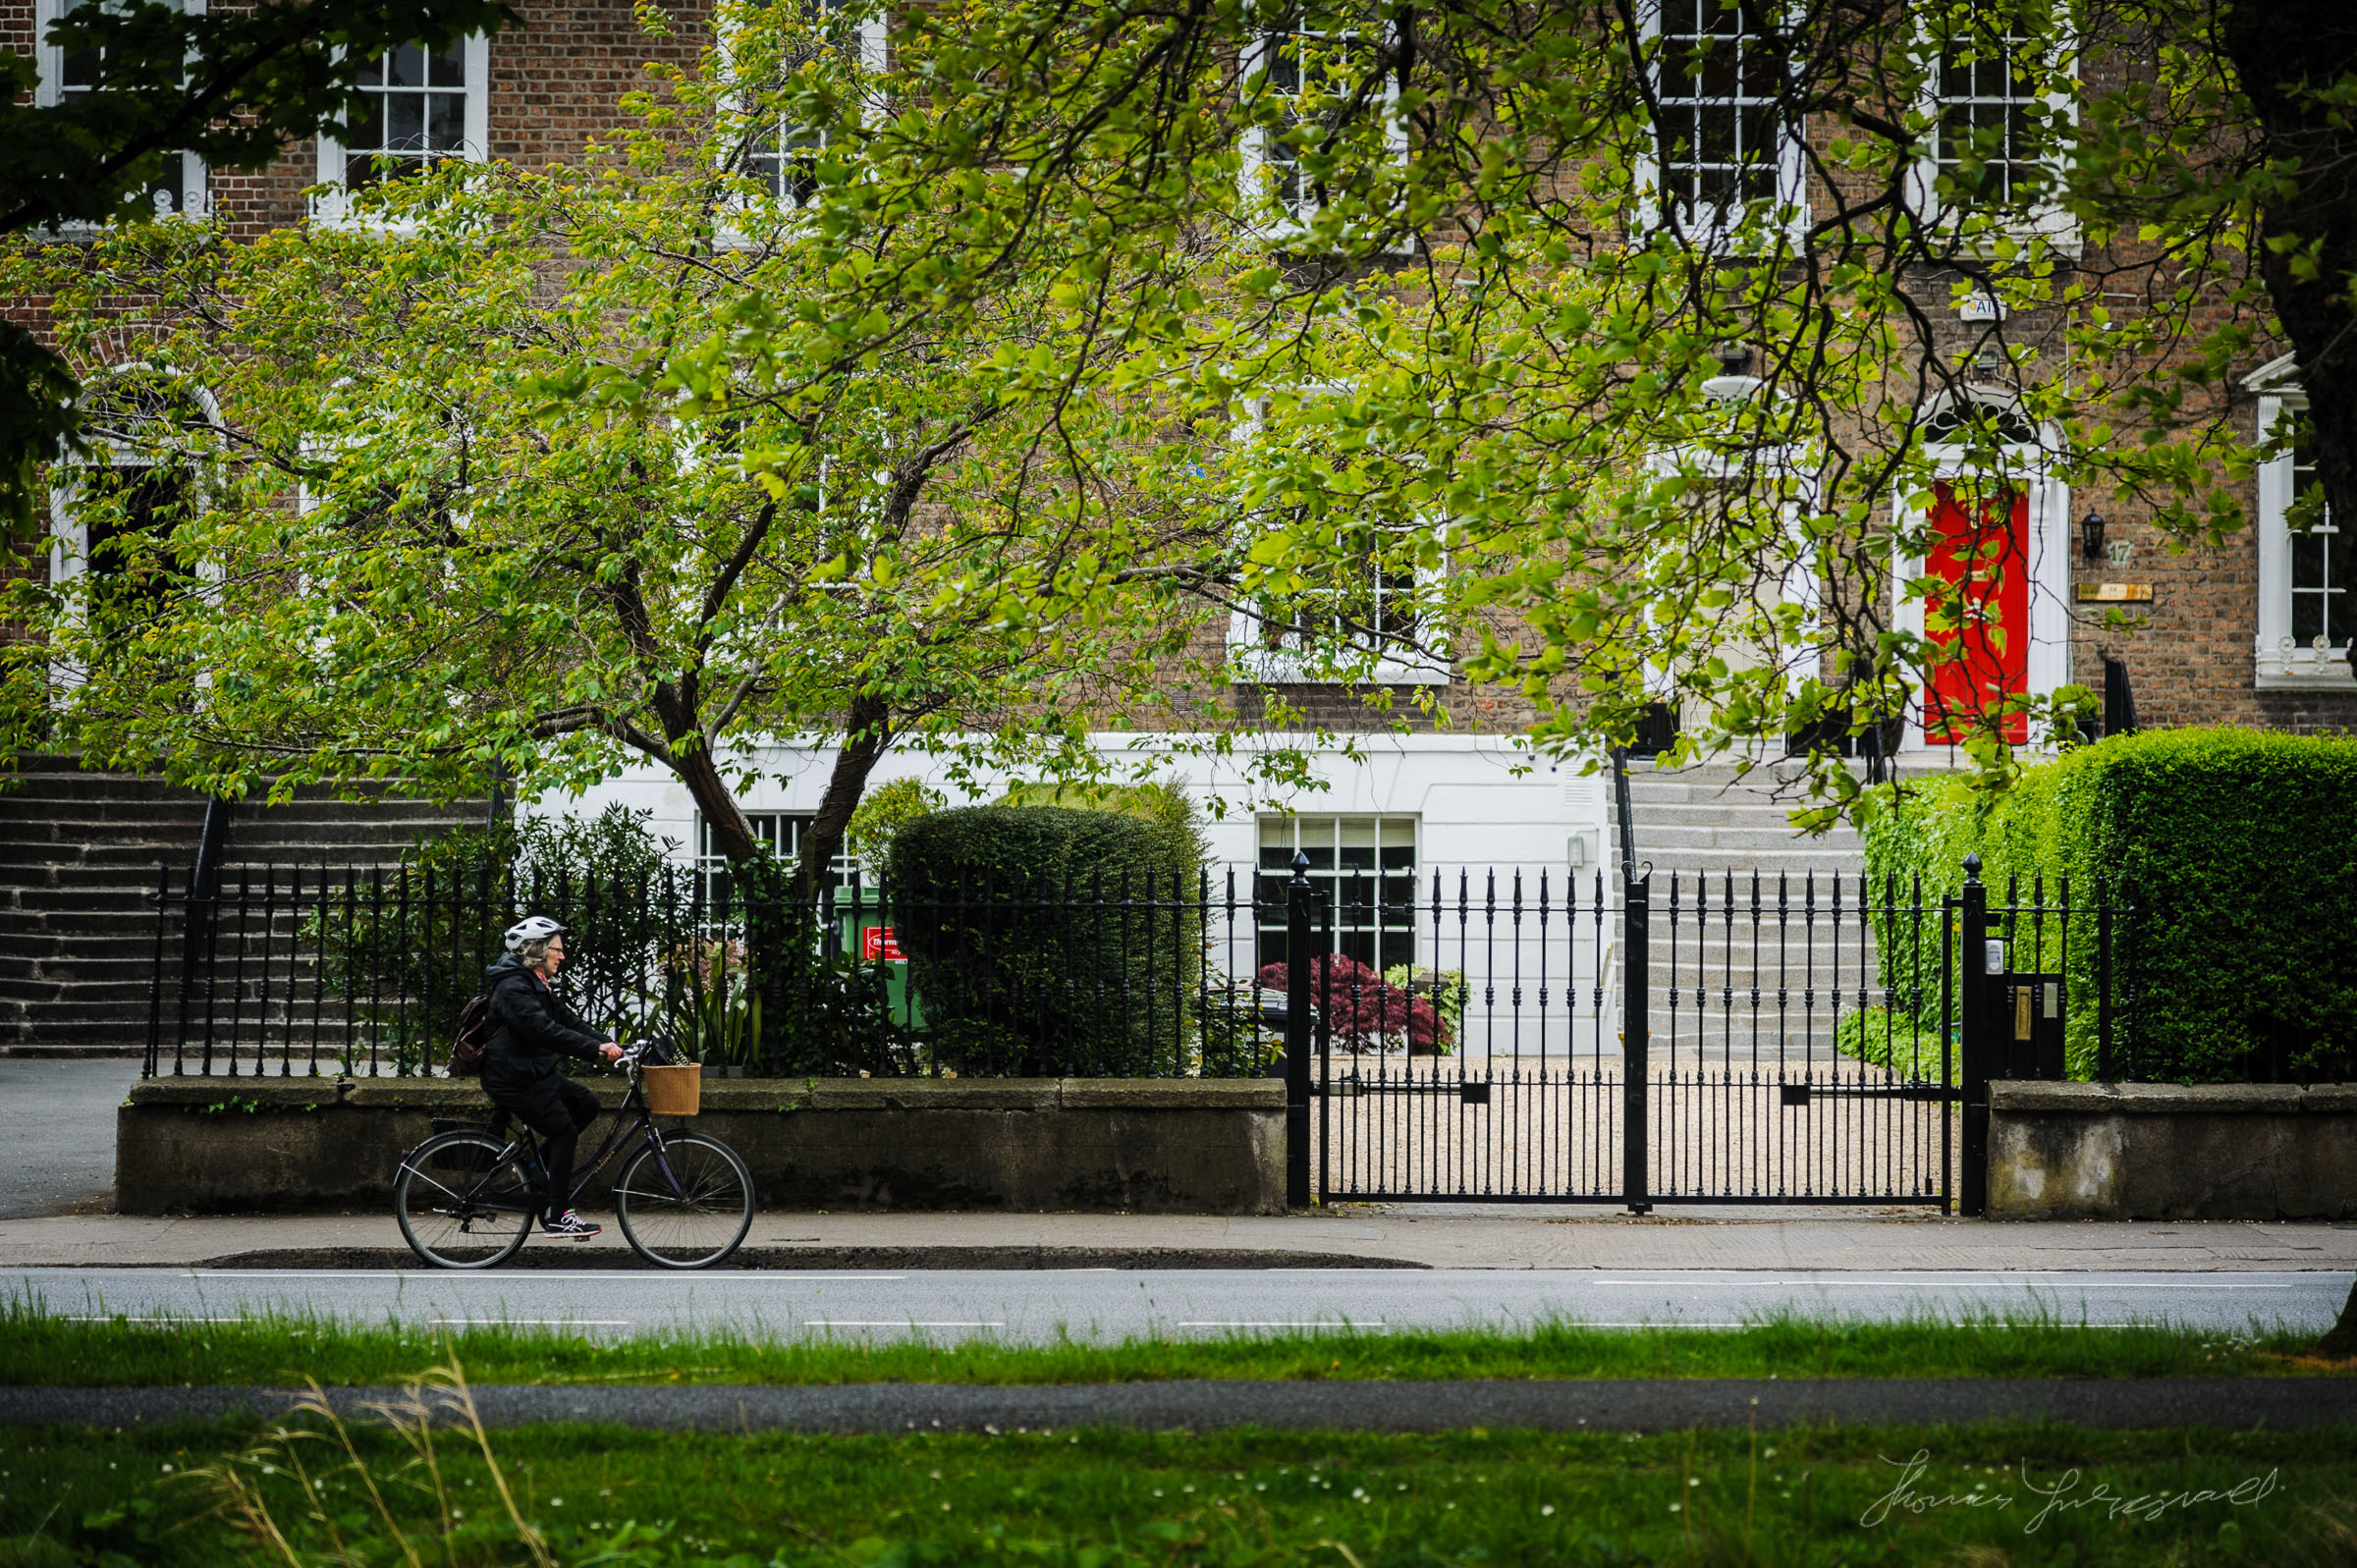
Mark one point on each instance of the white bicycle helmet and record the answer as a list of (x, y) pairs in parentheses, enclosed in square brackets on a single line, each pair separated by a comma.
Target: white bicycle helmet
[(532, 928)]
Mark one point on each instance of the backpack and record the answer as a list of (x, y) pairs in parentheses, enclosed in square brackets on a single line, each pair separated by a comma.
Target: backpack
[(473, 1037)]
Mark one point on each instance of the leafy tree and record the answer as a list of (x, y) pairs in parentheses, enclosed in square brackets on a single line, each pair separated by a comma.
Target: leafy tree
[(1646, 405), (155, 80), (1632, 439), (552, 471)]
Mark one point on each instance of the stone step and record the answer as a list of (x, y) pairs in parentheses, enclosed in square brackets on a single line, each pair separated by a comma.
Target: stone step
[(76, 993), (134, 882), (1750, 838), (75, 785), (1653, 822)]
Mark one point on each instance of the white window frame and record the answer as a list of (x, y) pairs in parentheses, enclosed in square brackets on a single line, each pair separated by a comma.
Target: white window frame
[(781, 831), (1799, 583), (874, 46), (2048, 220), (332, 204), (1713, 228), (48, 92), (70, 531), (1333, 878), (1268, 218), (2279, 663), (1251, 662)]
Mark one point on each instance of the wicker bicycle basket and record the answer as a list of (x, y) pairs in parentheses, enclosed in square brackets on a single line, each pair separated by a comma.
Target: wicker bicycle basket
[(673, 1091)]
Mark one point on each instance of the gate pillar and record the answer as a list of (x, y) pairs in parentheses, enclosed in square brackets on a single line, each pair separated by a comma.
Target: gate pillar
[(1636, 911), (1975, 1028), (1298, 894)]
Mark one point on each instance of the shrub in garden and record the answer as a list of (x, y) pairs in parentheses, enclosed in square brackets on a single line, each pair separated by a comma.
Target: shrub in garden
[(1046, 939), (410, 947), (1362, 1008), (2238, 850), (883, 812)]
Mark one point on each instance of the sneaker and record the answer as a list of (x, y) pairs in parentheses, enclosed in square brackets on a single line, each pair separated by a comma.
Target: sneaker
[(569, 1223)]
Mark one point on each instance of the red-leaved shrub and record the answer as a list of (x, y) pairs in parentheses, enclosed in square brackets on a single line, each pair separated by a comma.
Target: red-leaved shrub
[(1360, 1004)]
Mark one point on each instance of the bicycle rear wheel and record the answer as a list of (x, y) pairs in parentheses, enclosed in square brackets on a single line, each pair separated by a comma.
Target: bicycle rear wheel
[(460, 1205), (688, 1207)]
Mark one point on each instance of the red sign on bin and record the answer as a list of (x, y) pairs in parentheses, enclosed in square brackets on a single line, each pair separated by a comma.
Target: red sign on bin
[(880, 942)]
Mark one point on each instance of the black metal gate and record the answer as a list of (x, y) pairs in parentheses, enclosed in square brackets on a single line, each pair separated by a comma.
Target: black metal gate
[(1796, 1039), (1697, 1039)]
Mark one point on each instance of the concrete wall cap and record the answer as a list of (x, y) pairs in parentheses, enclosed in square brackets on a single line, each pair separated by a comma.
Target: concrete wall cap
[(923, 1094), (1172, 1093), (2170, 1099), (190, 1090), (439, 1094)]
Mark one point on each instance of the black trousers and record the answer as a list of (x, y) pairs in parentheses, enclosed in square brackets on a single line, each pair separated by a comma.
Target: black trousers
[(557, 1109)]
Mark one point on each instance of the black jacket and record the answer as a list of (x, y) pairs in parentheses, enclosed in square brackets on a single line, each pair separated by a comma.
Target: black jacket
[(531, 1027)]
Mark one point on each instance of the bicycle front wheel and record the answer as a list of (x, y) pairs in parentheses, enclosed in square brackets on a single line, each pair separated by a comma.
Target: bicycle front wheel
[(460, 1205), (687, 1205)]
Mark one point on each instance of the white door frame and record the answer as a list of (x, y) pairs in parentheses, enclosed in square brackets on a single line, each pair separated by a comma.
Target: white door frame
[(2049, 663)]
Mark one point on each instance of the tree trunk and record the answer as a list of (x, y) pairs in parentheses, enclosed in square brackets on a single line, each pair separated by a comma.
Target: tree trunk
[(863, 746), (2286, 43), (2277, 48), (2341, 1341), (732, 830)]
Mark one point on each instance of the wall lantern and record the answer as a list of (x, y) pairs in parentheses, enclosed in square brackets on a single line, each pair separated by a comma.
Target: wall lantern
[(2091, 536)]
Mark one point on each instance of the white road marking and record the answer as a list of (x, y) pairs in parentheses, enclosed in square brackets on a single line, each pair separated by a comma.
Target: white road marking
[(896, 1323), (1302, 1323), (112, 1316), (541, 1323)]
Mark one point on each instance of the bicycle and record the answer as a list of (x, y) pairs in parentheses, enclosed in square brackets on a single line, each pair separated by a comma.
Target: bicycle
[(467, 1199)]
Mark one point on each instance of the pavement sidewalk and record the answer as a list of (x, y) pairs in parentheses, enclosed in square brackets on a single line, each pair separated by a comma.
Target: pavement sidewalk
[(1438, 1236)]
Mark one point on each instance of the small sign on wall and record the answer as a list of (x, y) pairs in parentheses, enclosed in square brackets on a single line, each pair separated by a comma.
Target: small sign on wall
[(881, 944), (2115, 593)]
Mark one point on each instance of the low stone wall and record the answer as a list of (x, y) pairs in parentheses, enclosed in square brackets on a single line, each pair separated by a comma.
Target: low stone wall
[(2085, 1150), (1137, 1145)]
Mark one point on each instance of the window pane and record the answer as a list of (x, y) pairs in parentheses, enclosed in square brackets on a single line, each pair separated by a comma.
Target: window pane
[(405, 123), (446, 122), (2307, 618), (2307, 561), (79, 73), (449, 69), (408, 66)]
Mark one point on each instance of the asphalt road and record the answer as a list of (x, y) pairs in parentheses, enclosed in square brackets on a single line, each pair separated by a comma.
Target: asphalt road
[(1033, 1306), (57, 1132)]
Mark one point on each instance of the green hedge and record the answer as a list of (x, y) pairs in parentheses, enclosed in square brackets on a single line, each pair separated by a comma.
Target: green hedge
[(1031, 942), (2238, 848)]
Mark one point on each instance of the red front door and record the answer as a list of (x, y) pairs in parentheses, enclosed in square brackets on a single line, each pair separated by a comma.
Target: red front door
[(1980, 554)]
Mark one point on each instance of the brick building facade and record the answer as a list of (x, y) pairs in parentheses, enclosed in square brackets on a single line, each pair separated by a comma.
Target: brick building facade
[(534, 93)]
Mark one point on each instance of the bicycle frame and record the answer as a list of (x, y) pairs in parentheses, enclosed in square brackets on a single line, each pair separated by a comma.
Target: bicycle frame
[(628, 1128)]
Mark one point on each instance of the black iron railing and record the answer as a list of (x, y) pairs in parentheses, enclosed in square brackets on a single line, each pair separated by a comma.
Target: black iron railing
[(333, 970), (1520, 1035)]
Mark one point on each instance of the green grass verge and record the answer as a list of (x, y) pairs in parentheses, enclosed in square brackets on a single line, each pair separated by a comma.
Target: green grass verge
[(584, 1495), (36, 1349)]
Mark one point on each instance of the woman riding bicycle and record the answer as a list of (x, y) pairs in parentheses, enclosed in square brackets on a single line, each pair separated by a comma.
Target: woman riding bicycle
[(532, 1030)]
